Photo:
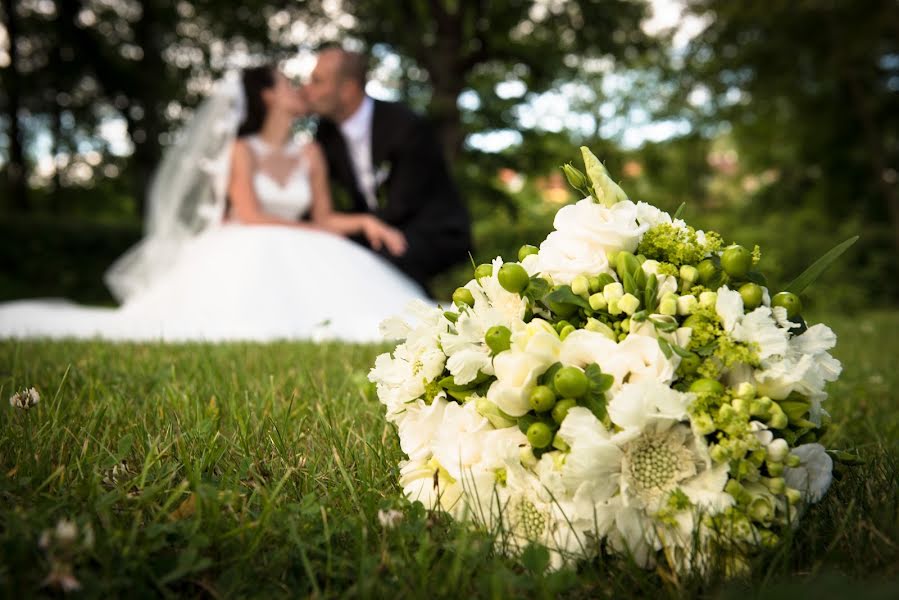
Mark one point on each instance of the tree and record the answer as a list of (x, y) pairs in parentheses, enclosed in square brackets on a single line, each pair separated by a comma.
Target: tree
[(538, 43), (810, 89)]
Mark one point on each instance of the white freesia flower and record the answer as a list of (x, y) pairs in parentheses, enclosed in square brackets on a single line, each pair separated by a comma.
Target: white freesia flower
[(427, 482), (584, 234), (814, 475), (403, 376), (419, 423), (465, 347)]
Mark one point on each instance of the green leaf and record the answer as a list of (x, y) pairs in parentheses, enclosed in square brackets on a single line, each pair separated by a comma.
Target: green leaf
[(679, 211), (124, 447), (627, 281), (649, 294), (666, 347), (599, 383), (819, 266), (525, 421), (564, 295), (537, 288), (682, 352), (664, 326), (757, 277)]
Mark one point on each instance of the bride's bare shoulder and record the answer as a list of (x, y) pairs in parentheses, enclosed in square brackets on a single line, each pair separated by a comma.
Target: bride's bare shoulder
[(312, 151)]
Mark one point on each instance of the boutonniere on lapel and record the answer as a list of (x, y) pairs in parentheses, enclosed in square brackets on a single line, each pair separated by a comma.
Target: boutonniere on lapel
[(382, 174)]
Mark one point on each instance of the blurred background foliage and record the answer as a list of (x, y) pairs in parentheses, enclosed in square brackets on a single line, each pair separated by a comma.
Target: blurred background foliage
[(775, 122)]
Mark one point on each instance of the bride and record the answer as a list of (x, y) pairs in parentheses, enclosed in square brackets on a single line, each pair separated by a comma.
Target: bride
[(242, 242)]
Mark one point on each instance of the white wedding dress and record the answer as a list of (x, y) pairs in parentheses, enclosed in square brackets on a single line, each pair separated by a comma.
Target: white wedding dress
[(243, 282)]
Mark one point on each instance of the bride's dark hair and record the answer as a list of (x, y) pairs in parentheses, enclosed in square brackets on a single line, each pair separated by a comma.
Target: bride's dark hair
[(255, 81)]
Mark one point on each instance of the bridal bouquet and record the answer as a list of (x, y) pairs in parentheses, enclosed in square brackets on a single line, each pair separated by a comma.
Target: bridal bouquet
[(631, 386)]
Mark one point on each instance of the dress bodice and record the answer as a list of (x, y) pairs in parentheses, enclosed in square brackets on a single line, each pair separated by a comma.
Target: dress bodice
[(281, 179)]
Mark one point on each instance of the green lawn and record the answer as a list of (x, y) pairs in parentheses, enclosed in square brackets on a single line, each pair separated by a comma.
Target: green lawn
[(259, 470)]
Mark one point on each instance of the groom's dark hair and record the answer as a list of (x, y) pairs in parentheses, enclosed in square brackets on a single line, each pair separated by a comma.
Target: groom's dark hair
[(353, 65)]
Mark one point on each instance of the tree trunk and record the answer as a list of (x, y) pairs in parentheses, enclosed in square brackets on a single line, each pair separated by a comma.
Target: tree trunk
[(17, 169)]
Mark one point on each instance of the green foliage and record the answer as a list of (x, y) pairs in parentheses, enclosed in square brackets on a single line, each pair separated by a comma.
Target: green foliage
[(259, 470)]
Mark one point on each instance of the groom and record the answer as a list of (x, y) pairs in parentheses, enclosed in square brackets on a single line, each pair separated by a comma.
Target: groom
[(386, 159)]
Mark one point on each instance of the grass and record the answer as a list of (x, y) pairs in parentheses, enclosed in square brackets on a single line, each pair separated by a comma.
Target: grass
[(259, 470)]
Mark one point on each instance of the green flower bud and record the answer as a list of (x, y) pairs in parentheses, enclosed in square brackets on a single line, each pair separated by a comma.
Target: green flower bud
[(498, 338), (629, 304), (775, 469), (794, 496), (483, 270), (613, 308), (708, 298), (778, 421), (539, 435), (542, 398), (751, 293), (560, 410), (626, 325), (686, 305), (570, 382), (575, 177), (790, 302), (719, 453), (598, 302), (736, 261), (777, 485), (513, 278), (760, 407), (559, 444), (757, 457), (566, 331), (606, 191), (707, 386), (737, 491), (597, 282), (689, 273), (761, 509), (613, 291), (580, 285), (668, 305), (526, 251), (463, 297), (794, 409), (492, 413), (793, 461), (741, 406), (745, 390), (598, 326)]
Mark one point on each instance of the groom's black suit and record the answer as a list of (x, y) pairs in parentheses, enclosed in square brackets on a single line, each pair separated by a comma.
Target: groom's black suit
[(416, 195)]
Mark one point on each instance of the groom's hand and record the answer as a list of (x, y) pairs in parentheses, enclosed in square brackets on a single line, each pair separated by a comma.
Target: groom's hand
[(383, 236)]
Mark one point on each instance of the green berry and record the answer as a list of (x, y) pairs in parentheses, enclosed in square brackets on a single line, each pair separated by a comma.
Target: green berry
[(527, 250), (542, 398), (560, 410), (752, 295), (706, 386), (736, 261), (789, 301), (483, 270), (462, 296), (539, 435), (498, 338), (707, 271), (689, 363), (513, 278), (570, 382)]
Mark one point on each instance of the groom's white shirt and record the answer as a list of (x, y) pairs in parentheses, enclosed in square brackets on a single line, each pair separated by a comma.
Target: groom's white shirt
[(356, 132)]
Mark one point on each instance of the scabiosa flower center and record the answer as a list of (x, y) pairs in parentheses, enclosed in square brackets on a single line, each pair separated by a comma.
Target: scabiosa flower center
[(655, 463)]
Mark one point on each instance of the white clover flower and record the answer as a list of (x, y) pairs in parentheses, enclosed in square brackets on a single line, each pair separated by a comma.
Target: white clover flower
[(25, 399), (389, 519), (814, 474)]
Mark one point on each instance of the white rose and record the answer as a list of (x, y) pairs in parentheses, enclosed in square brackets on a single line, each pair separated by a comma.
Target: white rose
[(641, 357), (516, 375), (585, 233)]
